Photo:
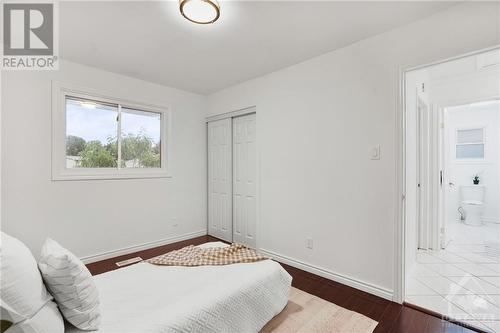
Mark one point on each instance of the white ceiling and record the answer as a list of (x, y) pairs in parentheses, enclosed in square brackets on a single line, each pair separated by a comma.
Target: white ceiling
[(151, 41)]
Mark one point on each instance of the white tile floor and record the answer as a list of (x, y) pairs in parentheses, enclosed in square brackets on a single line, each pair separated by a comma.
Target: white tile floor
[(463, 281)]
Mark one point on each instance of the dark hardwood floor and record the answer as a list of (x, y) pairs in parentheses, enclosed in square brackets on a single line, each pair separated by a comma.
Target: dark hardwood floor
[(392, 317), (110, 264)]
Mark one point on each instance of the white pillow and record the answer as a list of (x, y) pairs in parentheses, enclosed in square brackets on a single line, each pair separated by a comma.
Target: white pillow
[(71, 284), (42, 321), (24, 300)]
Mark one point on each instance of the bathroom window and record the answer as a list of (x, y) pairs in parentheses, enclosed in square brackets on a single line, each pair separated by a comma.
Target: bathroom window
[(470, 143)]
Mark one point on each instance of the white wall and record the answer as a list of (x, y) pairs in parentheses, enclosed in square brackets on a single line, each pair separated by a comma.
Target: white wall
[(1, 154), (91, 217), (463, 81), (461, 172), (316, 124)]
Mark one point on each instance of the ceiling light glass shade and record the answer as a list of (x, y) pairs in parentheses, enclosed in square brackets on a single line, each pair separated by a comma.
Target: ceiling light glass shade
[(200, 11)]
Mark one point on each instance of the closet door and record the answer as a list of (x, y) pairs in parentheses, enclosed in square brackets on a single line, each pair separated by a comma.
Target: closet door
[(244, 180), (220, 180)]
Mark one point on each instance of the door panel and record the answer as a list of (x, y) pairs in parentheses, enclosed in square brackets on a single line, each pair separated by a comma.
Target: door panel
[(244, 180), (423, 149), (428, 176), (220, 180)]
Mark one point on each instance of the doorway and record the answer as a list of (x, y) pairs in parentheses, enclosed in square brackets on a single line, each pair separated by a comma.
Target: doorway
[(471, 185), (232, 178), (452, 178)]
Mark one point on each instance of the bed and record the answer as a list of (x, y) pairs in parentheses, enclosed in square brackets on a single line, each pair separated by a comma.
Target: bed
[(232, 298)]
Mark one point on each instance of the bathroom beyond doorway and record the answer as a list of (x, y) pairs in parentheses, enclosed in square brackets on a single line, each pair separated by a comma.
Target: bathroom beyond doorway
[(452, 227)]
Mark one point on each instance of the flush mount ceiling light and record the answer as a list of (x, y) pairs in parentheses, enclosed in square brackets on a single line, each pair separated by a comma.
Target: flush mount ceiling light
[(200, 11)]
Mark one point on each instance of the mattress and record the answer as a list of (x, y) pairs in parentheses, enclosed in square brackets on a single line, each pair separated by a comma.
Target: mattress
[(232, 298)]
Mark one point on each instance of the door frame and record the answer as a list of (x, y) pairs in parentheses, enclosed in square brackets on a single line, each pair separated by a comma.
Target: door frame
[(233, 114), (400, 153)]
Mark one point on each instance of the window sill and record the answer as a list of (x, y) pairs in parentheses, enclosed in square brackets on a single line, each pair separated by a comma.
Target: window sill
[(470, 161), (69, 176)]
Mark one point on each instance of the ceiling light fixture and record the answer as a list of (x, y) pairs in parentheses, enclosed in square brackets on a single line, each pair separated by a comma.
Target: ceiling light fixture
[(200, 11)]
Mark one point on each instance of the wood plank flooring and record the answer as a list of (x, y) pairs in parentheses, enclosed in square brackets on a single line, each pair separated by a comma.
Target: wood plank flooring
[(392, 317)]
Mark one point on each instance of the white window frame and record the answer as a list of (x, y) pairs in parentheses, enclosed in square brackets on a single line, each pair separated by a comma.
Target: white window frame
[(483, 142), (59, 170)]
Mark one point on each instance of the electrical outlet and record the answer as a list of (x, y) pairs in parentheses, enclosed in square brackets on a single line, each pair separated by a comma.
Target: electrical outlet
[(175, 223), (309, 243)]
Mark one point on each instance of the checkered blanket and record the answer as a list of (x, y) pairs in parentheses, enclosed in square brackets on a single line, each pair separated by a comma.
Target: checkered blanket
[(194, 256)]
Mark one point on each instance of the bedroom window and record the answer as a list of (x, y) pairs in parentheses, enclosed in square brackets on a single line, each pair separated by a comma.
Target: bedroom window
[(97, 137), (470, 144)]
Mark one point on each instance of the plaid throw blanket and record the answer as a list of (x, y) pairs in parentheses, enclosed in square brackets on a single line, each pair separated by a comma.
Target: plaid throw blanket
[(194, 256)]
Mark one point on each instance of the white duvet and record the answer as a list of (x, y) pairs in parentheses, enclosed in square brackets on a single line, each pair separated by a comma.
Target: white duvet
[(231, 298)]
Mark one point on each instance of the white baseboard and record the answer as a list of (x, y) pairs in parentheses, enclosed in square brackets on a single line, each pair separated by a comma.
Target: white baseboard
[(349, 281), (140, 247), (490, 220)]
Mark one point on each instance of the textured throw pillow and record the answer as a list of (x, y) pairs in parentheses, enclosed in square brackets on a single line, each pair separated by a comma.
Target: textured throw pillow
[(71, 284), (25, 304)]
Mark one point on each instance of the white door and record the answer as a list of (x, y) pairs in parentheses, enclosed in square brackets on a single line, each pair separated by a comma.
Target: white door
[(423, 174), (444, 182), (429, 177), (244, 180), (220, 180)]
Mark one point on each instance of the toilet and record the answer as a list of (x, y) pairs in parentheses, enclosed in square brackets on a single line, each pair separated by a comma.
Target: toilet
[(472, 203)]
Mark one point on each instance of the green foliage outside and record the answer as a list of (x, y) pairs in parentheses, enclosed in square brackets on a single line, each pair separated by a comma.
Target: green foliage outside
[(95, 155), (74, 145), (138, 151)]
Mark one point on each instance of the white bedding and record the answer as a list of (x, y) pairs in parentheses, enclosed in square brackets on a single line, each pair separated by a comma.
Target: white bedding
[(209, 299)]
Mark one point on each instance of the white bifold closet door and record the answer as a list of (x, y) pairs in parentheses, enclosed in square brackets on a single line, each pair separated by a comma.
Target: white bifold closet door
[(244, 180), (220, 179), (232, 179)]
